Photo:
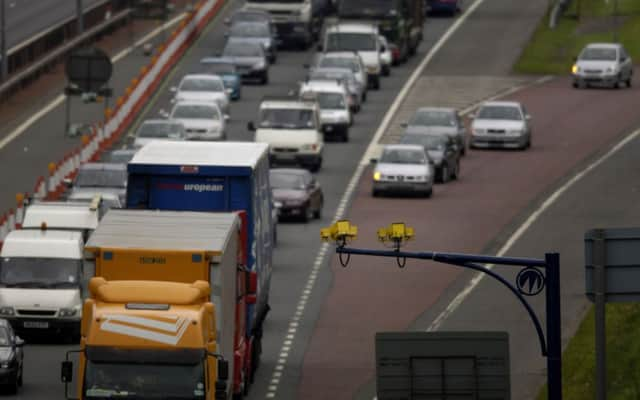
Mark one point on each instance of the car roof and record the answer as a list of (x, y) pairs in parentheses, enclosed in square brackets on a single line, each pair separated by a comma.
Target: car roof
[(293, 104), (210, 77), (212, 104), (100, 166), (240, 23), (87, 194), (217, 60), (244, 42), (604, 45), (159, 122), (501, 103), (340, 54), (124, 151), (353, 27), (335, 70), (323, 86), (402, 147)]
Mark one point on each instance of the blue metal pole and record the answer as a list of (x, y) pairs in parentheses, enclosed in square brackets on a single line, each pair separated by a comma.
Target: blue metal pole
[(554, 331)]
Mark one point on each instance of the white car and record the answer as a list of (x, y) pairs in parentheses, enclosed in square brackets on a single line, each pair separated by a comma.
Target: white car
[(335, 113), (603, 63), (158, 129), (291, 127), (203, 87), (201, 120), (501, 124), (348, 60), (403, 168), (361, 38), (386, 58)]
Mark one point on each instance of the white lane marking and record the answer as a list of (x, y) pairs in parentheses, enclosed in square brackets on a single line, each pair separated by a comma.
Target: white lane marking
[(353, 183), (61, 98), (455, 303)]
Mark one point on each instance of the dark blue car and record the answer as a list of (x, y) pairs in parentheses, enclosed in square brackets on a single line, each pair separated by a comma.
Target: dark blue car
[(225, 69), (443, 6)]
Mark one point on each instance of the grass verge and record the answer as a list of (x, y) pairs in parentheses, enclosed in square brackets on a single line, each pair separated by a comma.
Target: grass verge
[(623, 357), (552, 51)]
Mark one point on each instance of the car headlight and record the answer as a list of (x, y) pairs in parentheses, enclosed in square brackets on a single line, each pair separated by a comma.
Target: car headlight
[(295, 202), (421, 178), (377, 176), (298, 28), (309, 147), (259, 65), (514, 131), (5, 364), (575, 69), (7, 311), (67, 312), (479, 131), (277, 204)]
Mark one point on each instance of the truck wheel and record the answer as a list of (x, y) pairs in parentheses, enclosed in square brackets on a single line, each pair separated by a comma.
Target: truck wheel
[(315, 167), (386, 70), (317, 214), (376, 84), (265, 78), (308, 214)]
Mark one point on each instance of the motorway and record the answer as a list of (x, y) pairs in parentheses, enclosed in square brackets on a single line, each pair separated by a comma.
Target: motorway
[(330, 351), (26, 18)]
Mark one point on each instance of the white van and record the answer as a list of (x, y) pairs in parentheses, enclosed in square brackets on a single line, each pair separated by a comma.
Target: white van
[(334, 102), (68, 216), (291, 127), (361, 38), (42, 281)]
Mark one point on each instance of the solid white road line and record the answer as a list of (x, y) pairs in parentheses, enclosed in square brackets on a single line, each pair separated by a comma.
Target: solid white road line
[(455, 303), (60, 98), (364, 161)]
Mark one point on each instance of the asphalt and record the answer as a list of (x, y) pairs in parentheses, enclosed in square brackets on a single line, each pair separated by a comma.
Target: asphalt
[(298, 242), (26, 18)]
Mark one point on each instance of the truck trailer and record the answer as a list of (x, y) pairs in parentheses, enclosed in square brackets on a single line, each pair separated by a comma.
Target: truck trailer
[(183, 246), (149, 340)]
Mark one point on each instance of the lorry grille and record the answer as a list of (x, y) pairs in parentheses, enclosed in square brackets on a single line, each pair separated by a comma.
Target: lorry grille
[(284, 150), (37, 313), (280, 12)]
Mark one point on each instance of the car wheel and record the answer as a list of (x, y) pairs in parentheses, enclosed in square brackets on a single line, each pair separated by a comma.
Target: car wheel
[(386, 70), (428, 193), (575, 85), (345, 136), (265, 78), (20, 380), (375, 193), (317, 214), (12, 388), (456, 172), (376, 84), (444, 174), (629, 81), (308, 214)]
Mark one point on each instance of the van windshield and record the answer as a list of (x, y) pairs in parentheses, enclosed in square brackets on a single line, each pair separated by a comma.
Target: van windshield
[(286, 118), (32, 272), (144, 381), (343, 41)]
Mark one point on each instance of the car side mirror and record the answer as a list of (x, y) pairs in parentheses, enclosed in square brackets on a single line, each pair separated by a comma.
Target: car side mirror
[(383, 49), (319, 47), (226, 34), (404, 124), (528, 117), (373, 160), (66, 372), (251, 126), (173, 89), (163, 113), (228, 91), (431, 162), (226, 117), (19, 341), (227, 21)]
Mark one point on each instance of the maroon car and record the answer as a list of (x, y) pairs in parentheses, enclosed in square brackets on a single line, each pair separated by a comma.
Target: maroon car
[(296, 193)]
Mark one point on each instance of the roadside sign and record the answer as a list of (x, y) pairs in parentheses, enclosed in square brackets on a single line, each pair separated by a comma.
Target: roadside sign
[(442, 365), (620, 261), (89, 69)]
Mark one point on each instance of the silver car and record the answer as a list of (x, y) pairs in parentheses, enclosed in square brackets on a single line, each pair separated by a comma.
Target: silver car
[(603, 63), (203, 87), (158, 129), (255, 32), (344, 75), (348, 60), (201, 120), (438, 121), (501, 124), (97, 178), (403, 168)]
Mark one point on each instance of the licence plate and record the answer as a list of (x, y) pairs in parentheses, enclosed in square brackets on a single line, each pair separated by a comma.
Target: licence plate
[(36, 324)]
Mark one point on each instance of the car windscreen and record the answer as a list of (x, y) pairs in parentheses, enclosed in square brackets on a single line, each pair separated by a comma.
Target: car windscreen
[(195, 111), (201, 85), (339, 62), (429, 142), (286, 118), (219, 68), (36, 272), (108, 178), (119, 156), (283, 180), (598, 53), (235, 49), (249, 30), (161, 130), (433, 118), (500, 112), (331, 101), (248, 16), (344, 41), (403, 156)]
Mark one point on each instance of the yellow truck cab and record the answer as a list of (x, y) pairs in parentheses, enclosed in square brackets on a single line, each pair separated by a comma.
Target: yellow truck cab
[(185, 246), (148, 340)]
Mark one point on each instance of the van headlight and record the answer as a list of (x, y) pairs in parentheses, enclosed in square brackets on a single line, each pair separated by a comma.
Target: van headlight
[(7, 311), (67, 312), (377, 176), (5, 365), (575, 69), (259, 65)]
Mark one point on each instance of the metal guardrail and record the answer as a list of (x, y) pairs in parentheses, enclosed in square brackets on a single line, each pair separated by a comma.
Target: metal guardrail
[(557, 11), (59, 52)]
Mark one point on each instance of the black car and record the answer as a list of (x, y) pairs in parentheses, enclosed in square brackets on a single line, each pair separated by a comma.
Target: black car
[(249, 58), (442, 150), (11, 357), (296, 193)]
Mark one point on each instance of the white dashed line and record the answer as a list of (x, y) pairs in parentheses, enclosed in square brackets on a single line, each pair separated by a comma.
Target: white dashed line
[(364, 161)]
